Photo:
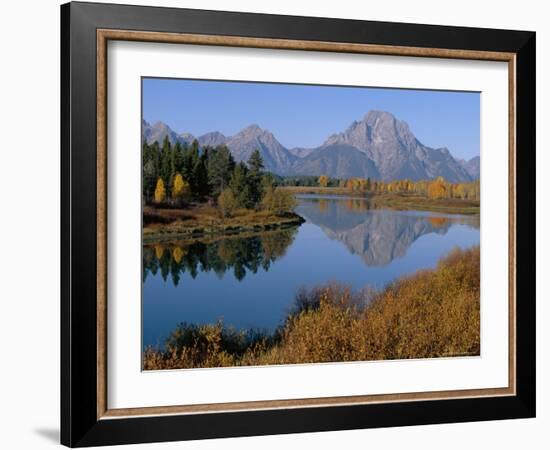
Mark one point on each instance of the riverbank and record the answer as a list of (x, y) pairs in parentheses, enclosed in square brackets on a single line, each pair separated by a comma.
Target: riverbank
[(418, 203), (395, 201), (170, 243), (200, 221), (433, 313), (318, 190)]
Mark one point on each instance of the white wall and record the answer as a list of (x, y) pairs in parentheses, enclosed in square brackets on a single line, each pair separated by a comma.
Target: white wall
[(29, 223)]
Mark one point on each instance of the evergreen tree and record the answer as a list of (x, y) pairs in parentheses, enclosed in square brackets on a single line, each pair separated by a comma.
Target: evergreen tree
[(194, 159), (166, 162), (156, 157), (220, 167), (255, 162), (178, 158), (200, 186), (239, 185), (148, 175), (255, 165), (149, 180)]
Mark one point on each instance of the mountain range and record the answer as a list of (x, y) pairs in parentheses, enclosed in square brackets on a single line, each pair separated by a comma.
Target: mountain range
[(378, 146)]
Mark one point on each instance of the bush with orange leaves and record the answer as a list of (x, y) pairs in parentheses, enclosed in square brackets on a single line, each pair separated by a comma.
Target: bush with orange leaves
[(433, 313)]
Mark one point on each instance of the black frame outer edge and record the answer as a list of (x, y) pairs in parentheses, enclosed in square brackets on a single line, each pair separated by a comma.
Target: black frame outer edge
[(79, 425), (65, 227)]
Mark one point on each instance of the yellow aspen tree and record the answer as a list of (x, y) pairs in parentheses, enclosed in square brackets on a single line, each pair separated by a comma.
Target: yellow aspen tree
[(436, 189), (323, 181), (160, 191), (460, 191), (180, 189)]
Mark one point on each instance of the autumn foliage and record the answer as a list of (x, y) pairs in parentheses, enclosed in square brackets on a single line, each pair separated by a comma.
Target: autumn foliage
[(160, 191), (323, 181), (180, 189), (278, 201), (433, 313), (227, 203), (434, 189)]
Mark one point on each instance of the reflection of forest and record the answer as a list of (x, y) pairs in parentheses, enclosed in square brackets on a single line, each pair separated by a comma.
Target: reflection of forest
[(240, 254), (378, 236)]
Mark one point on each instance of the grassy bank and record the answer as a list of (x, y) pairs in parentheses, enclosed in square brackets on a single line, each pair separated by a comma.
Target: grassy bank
[(203, 220), (395, 201), (433, 313), (414, 202), (318, 190)]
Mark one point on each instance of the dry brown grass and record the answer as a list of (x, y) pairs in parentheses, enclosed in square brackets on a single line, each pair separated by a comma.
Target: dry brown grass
[(202, 220), (417, 202), (320, 190), (395, 200), (433, 313)]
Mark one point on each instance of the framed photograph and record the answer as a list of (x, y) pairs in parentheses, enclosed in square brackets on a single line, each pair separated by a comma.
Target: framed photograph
[(276, 224)]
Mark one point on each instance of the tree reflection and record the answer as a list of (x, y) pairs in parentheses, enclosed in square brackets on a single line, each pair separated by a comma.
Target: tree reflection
[(240, 255)]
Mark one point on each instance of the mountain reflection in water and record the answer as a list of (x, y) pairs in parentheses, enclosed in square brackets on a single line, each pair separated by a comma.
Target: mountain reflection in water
[(251, 280), (378, 236)]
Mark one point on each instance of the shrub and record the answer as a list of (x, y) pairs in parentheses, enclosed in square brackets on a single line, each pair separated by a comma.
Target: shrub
[(227, 204), (279, 201), (432, 313)]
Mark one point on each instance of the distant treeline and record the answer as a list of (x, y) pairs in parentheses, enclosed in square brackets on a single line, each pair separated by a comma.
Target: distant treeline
[(438, 188)]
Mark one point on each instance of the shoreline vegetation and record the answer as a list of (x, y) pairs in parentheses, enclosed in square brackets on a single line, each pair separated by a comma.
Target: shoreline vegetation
[(191, 191), (399, 201), (431, 313), (203, 221)]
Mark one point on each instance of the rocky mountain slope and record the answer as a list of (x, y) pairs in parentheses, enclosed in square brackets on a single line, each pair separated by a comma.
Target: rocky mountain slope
[(378, 146), (472, 166)]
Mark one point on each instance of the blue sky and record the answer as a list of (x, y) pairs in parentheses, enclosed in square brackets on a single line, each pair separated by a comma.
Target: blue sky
[(305, 115)]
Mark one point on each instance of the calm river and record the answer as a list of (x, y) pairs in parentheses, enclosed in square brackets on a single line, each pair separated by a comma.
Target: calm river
[(251, 282)]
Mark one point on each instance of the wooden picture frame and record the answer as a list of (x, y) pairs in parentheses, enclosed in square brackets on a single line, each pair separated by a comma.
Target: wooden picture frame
[(85, 416)]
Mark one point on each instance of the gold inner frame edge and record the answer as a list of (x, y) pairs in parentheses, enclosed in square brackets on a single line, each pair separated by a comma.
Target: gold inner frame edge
[(103, 36)]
